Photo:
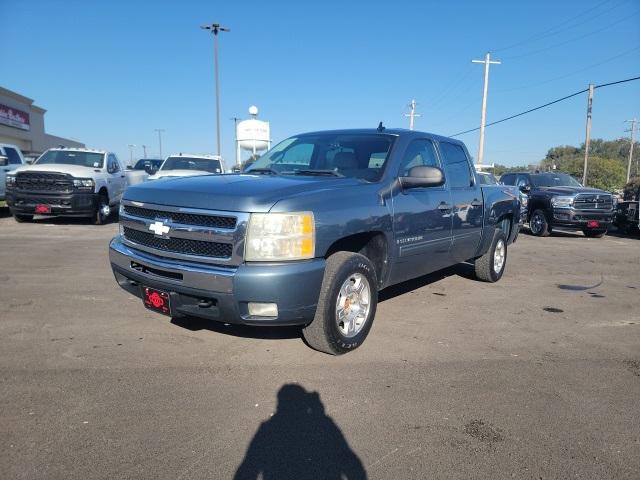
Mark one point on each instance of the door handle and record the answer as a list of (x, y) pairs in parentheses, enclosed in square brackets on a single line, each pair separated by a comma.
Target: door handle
[(476, 203), (444, 206), (121, 176)]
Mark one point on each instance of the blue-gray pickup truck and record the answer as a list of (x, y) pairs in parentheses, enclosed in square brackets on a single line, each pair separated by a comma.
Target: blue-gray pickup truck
[(312, 231)]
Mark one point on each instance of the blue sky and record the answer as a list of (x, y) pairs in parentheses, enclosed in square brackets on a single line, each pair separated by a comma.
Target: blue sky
[(110, 72)]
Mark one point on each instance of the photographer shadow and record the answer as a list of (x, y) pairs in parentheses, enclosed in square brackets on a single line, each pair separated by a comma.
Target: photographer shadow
[(300, 441)]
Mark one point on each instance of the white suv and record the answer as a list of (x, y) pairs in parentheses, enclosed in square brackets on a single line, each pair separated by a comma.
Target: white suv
[(76, 182), (186, 165), (10, 159)]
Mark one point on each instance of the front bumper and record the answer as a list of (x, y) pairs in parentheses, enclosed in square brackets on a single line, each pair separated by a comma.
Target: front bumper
[(579, 219), (71, 204), (223, 293)]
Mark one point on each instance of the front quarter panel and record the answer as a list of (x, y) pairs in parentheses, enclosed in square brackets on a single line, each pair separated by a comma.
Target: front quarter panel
[(342, 212)]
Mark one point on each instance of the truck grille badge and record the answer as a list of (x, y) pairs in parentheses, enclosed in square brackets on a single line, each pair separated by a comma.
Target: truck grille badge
[(159, 228)]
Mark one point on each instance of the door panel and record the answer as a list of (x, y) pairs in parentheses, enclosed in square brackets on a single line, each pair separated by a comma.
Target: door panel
[(467, 201), (421, 219)]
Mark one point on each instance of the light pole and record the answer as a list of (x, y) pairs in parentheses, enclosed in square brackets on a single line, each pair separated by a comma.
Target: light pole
[(131, 147), (144, 151), (216, 28), (160, 130)]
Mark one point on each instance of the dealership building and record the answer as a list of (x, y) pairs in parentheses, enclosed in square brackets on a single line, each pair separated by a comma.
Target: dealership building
[(22, 124)]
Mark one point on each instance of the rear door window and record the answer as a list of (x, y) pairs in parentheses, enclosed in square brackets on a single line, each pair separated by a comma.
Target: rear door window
[(508, 179), (456, 165)]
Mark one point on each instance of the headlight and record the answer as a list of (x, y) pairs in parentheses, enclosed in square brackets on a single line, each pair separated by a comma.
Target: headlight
[(562, 202), (280, 236), (10, 180), (83, 183)]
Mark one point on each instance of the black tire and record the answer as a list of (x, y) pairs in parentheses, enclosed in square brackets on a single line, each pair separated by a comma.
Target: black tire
[(22, 218), (484, 265), (594, 233), (99, 218), (323, 333), (538, 224)]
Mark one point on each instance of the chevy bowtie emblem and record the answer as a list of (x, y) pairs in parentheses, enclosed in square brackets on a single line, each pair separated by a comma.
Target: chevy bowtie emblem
[(159, 228)]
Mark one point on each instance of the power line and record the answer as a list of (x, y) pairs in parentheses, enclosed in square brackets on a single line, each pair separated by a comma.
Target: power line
[(606, 27), (547, 105), (550, 31)]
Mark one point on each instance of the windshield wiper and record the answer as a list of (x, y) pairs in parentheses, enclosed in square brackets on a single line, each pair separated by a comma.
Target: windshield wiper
[(269, 171), (319, 172)]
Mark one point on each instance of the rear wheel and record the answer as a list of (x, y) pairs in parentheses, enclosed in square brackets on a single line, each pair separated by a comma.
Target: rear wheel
[(490, 266), (594, 233), (346, 306), (538, 224), (103, 210), (22, 218)]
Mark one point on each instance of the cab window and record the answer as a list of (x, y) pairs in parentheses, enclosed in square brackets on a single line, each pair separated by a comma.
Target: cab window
[(14, 158), (456, 165), (419, 153)]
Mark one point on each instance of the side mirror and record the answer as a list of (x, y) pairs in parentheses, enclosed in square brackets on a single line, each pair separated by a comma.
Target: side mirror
[(422, 176), (4, 161), (525, 188), (149, 169), (129, 167)]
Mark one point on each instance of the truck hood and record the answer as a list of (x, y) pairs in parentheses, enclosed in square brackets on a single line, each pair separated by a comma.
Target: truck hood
[(570, 190), (73, 170), (178, 173), (235, 193)]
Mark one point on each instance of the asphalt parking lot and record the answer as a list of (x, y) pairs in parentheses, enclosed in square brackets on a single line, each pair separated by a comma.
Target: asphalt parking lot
[(537, 376)]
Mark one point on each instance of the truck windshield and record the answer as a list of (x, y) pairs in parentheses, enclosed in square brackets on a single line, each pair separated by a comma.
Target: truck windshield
[(345, 155), (69, 157), (190, 163), (142, 163), (554, 180)]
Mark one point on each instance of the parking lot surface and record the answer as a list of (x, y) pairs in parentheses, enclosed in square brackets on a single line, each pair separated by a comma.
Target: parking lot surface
[(537, 376)]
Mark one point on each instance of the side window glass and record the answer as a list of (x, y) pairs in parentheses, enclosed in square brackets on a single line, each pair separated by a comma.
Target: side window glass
[(112, 164), (456, 165), (419, 153), (14, 158), (508, 179)]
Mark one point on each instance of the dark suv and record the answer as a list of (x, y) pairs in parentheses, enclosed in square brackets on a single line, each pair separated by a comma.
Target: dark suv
[(558, 200)]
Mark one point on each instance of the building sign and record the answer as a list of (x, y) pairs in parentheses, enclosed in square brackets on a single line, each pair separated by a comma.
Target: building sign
[(14, 117)]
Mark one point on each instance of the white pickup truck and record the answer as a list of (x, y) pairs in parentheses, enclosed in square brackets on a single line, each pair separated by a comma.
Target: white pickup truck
[(77, 182), (10, 159), (188, 165)]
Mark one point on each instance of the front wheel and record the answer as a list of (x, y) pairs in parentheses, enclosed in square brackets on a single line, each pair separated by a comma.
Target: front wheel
[(594, 233), (538, 224), (103, 210), (346, 306), (490, 266)]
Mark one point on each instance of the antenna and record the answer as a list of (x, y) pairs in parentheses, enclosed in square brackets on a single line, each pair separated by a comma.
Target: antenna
[(412, 113), (380, 127)]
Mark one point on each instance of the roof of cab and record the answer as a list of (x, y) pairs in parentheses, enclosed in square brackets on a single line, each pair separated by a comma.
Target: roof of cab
[(398, 132)]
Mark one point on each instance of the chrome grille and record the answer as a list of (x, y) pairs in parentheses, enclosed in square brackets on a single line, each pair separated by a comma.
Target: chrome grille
[(44, 182), (185, 234), (593, 201), (179, 245), (216, 221)]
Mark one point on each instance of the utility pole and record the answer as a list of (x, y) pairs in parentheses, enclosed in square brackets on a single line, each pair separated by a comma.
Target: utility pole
[(144, 151), (587, 141), (412, 113), (632, 130), (216, 28), (131, 147), (160, 130), (235, 133), (483, 116)]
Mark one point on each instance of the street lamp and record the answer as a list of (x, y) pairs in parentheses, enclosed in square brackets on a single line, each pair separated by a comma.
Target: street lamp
[(160, 130), (216, 28), (131, 147)]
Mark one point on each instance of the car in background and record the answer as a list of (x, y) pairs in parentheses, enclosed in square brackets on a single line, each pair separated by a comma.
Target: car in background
[(186, 165), (486, 178), (557, 199), (142, 169), (10, 159), (77, 182)]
